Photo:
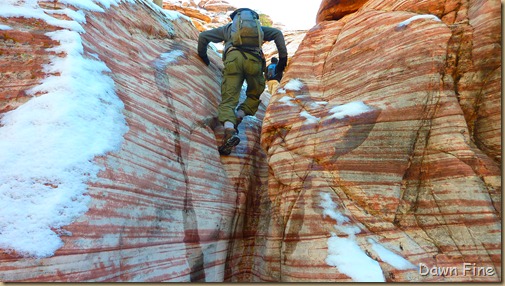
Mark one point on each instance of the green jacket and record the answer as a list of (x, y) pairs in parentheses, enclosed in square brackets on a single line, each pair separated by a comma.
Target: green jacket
[(223, 33)]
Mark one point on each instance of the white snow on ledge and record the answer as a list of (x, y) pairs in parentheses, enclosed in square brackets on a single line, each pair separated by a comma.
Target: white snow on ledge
[(390, 257), (347, 255), (344, 252), (287, 100), (417, 17), (170, 14), (293, 84), (349, 109), (168, 58), (309, 118), (48, 144)]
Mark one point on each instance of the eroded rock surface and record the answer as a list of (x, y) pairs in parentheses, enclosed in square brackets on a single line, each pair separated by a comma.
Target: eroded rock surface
[(336, 9), (162, 208), (381, 148), (386, 131)]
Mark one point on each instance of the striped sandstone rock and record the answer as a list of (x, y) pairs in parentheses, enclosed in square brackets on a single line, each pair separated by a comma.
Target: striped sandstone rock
[(381, 148), (166, 206), (336, 9), (413, 166)]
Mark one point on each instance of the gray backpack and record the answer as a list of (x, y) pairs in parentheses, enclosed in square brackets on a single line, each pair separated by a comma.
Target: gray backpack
[(246, 29)]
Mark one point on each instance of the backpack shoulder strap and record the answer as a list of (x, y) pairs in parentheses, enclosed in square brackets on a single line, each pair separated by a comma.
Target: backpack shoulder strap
[(260, 40)]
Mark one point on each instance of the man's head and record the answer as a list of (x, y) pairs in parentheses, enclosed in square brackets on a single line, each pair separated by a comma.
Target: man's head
[(274, 60), (232, 15)]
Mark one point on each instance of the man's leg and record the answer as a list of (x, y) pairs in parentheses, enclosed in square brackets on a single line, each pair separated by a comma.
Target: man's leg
[(272, 86), (230, 92), (253, 70), (231, 86)]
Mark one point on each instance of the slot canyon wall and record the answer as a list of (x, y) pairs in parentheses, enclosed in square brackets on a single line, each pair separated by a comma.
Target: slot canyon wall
[(386, 131), (381, 148)]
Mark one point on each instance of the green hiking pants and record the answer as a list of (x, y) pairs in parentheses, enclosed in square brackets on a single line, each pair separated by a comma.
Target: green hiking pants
[(237, 67)]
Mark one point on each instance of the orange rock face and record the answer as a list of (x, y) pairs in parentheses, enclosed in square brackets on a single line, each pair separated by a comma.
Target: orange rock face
[(336, 9), (385, 132), (216, 5), (22, 55)]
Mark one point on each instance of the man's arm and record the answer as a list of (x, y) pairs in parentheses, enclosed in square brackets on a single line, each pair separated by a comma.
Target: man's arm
[(214, 35), (276, 35), (273, 34)]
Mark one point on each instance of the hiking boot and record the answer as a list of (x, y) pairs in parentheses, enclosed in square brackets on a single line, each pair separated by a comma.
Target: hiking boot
[(230, 140)]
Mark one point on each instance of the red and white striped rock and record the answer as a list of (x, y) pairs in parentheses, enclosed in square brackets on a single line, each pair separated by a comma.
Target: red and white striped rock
[(22, 55), (163, 208), (412, 172), (416, 172)]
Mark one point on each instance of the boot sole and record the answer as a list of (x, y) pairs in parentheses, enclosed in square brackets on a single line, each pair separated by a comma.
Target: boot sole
[(230, 143)]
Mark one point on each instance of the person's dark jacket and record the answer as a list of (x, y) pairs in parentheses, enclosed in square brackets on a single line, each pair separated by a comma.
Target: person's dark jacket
[(223, 33)]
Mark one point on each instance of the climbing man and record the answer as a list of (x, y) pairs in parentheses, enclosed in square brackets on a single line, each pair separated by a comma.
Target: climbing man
[(273, 76), (243, 60)]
